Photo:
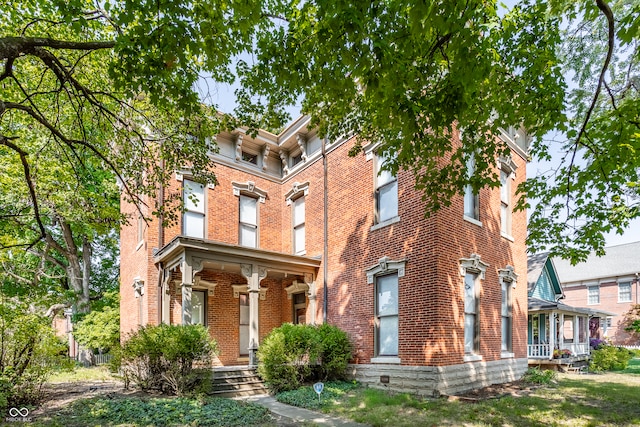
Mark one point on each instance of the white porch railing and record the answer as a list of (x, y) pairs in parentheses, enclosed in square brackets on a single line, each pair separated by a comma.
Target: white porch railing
[(544, 351), (577, 349), (540, 351)]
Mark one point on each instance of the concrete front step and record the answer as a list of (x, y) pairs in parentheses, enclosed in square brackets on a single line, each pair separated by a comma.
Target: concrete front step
[(236, 382)]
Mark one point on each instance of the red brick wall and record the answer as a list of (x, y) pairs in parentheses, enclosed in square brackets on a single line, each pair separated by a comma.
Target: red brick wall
[(577, 296), (430, 293), (432, 248)]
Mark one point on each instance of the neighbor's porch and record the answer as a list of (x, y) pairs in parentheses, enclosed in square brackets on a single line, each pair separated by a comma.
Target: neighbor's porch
[(563, 332)]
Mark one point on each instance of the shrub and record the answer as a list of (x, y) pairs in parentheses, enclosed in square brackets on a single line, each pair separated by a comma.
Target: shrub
[(163, 357), (293, 354), (539, 376), (30, 351), (609, 358), (336, 351)]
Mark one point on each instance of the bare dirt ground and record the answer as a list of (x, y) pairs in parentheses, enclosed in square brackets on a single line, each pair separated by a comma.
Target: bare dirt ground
[(57, 396)]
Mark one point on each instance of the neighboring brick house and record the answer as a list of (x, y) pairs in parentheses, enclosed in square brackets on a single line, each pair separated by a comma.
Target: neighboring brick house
[(298, 231), (608, 283)]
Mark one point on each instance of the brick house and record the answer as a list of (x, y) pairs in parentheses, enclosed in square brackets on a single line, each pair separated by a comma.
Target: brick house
[(298, 231), (609, 283)]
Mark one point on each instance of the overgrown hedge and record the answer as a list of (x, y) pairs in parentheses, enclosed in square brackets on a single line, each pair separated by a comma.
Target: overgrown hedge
[(164, 357), (294, 354)]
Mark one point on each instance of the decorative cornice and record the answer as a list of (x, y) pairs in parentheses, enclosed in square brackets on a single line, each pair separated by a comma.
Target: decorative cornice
[(138, 287), (473, 264), (249, 187), (244, 289), (284, 157), (297, 191), (209, 286), (296, 287), (302, 143), (507, 164), (239, 147), (385, 265), (265, 156), (508, 275)]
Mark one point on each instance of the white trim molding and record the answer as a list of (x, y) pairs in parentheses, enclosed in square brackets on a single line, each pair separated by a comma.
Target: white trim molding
[(297, 191), (250, 188), (473, 264), (385, 265), (138, 287), (243, 289), (296, 287), (508, 275)]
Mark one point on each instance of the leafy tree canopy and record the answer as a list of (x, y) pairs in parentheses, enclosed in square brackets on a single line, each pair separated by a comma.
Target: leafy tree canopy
[(115, 82)]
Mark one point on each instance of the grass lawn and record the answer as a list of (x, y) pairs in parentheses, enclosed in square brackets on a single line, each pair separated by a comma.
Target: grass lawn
[(611, 399), (95, 373)]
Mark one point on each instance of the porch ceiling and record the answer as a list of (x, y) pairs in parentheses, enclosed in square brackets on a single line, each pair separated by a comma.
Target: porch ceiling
[(226, 257)]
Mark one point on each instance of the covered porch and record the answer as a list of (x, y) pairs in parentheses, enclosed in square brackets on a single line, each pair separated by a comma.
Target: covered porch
[(558, 332), (239, 293)]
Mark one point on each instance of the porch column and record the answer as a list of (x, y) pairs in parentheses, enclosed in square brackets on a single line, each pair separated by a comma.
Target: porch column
[(311, 293), (254, 274), (561, 330), (552, 333), (187, 283), (166, 298)]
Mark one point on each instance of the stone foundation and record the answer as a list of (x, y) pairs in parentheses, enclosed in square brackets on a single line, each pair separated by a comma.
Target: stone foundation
[(436, 380)]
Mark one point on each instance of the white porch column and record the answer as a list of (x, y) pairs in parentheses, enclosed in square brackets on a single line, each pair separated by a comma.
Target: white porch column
[(187, 283), (254, 274), (561, 342), (311, 293), (552, 333)]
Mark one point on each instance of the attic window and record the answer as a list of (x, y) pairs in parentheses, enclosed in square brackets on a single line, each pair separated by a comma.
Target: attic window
[(251, 158), (296, 159)]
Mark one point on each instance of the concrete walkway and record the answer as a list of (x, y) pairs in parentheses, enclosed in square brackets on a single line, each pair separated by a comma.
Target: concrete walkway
[(299, 416)]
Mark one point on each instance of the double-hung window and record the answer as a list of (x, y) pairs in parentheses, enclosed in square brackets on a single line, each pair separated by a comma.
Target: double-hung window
[(387, 315), (505, 202), (471, 197), (299, 225), (471, 329), (248, 221), (506, 311), (386, 193), (193, 218), (624, 292), (593, 295)]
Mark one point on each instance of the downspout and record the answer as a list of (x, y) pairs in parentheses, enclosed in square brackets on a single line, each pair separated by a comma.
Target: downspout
[(325, 249), (161, 294)]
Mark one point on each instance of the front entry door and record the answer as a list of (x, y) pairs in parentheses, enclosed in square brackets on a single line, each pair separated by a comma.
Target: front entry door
[(244, 324)]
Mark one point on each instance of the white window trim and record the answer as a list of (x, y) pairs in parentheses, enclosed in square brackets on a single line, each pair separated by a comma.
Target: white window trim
[(472, 220), (297, 191), (630, 282), (249, 188), (588, 288), (475, 265), (388, 360), (387, 266), (385, 223), (384, 266), (507, 275), (205, 208)]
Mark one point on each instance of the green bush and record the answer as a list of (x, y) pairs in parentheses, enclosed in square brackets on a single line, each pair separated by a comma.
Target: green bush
[(336, 352), (30, 352), (539, 376), (163, 358), (294, 354), (610, 358)]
